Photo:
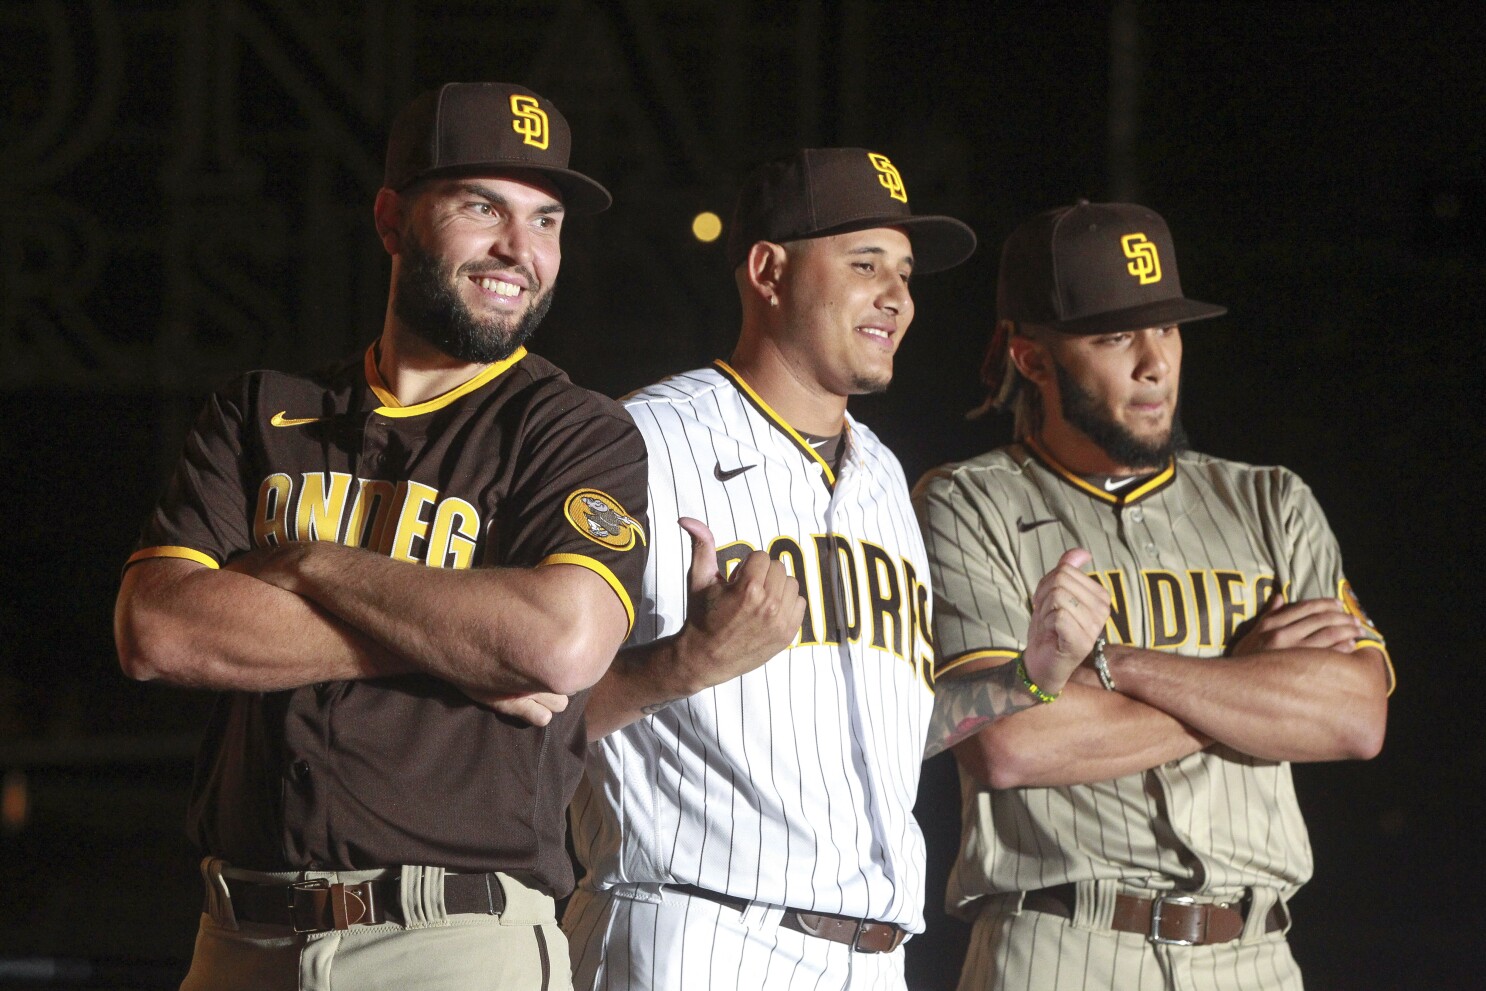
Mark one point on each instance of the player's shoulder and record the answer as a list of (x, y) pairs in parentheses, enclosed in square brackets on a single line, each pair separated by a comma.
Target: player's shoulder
[(998, 469), (545, 384), (682, 389), (298, 392), (1241, 474)]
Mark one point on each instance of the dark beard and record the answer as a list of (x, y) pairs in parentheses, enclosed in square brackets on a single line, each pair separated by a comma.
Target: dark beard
[(430, 307), (1123, 447)]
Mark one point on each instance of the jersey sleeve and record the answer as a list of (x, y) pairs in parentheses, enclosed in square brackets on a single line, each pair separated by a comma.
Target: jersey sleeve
[(1316, 561), (580, 499), (662, 606), (203, 515), (981, 604)]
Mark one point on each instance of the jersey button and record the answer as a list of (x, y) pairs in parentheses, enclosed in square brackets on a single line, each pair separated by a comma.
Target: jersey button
[(1150, 547), (1137, 514)]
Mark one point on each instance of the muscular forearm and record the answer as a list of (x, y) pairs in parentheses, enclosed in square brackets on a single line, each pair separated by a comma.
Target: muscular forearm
[(967, 704), (1297, 704), (1087, 735), (490, 631), (198, 627), (634, 687)]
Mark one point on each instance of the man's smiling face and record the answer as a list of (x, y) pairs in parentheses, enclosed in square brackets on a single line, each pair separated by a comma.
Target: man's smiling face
[(478, 260)]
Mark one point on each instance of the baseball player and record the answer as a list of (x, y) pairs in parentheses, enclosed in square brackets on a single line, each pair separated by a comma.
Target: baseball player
[(1143, 832), (745, 825), (396, 572)]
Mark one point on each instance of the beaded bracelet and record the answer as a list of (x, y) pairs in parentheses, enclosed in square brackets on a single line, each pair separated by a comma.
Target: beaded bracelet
[(1030, 685)]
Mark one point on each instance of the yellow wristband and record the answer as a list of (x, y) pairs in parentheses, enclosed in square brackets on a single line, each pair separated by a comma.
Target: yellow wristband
[(1030, 685)]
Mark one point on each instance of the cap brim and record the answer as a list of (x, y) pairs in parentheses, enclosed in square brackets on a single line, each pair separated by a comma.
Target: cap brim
[(938, 242), (1162, 313), (580, 194)]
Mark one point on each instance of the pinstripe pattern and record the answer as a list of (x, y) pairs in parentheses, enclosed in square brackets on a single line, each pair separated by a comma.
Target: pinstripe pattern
[(670, 940), (1188, 555), (792, 785)]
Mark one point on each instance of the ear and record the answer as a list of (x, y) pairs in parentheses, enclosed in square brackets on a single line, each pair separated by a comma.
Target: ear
[(1031, 357), (388, 215), (763, 271)]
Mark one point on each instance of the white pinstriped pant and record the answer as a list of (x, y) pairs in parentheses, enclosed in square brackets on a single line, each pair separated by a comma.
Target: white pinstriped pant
[(669, 941), (1038, 951)]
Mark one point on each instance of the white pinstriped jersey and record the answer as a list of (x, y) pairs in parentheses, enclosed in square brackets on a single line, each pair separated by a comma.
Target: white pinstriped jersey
[(1187, 554), (792, 785)]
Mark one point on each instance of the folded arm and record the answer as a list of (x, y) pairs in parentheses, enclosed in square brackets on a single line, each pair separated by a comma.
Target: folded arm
[(1088, 735), (1069, 610), (492, 632), (1296, 689), (200, 627), (732, 626), (314, 612)]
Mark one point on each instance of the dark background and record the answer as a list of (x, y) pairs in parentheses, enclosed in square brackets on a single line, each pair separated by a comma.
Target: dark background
[(186, 188)]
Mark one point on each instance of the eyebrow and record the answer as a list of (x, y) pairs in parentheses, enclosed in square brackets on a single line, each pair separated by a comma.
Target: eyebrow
[(487, 193), (871, 249)]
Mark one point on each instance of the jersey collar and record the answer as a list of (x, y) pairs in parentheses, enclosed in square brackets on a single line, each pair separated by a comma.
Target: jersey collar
[(778, 423), (391, 407), (1124, 497)]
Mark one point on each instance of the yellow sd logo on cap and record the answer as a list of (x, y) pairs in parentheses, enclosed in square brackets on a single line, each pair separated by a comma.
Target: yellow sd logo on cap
[(887, 174), (529, 120), (1145, 264)]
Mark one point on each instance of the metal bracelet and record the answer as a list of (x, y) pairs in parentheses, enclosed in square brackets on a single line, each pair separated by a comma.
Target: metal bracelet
[(1101, 664)]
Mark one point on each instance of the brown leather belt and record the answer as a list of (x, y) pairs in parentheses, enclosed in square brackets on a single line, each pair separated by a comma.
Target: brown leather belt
[(862, 935), (319, 906), (1170, 918)]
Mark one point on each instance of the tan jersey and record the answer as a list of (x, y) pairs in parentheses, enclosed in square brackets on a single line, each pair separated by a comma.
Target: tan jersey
[(1187, 554)]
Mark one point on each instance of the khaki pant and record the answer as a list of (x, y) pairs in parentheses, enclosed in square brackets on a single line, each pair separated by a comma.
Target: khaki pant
[(520, 949), (1016, 950)]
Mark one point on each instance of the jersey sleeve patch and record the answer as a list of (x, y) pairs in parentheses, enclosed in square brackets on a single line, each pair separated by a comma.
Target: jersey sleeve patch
[(1351, 603), (599, 517), (1349, 600)]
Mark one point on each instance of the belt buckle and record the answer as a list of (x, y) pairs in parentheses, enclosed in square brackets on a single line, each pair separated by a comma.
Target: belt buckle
[(899, 934), (311, 885), (1165, 899)]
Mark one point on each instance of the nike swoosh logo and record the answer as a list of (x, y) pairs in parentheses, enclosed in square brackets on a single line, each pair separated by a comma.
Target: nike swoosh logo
[(1023, 526), (723, 476), (280, 420), (1115, 484)]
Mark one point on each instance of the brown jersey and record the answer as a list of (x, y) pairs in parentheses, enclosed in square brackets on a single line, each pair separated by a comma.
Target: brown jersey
[(1188, 554), (517, 467)]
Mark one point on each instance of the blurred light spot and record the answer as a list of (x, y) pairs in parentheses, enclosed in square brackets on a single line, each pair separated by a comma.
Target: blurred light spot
[(706, 226), (15, 801)]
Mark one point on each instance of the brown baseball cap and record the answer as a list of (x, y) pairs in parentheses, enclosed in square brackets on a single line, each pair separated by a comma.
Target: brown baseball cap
[(1094, 268), (816, 192), (467, 128)]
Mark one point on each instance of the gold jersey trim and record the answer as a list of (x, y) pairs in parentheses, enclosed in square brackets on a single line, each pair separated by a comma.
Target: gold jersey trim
[(392, 407), (994, 654), (777, 421), (598, 568), (1124, 497), (1353, 605), (180, 553)]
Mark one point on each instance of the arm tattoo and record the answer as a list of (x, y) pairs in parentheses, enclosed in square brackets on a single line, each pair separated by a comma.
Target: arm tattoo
[(964, 705)]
